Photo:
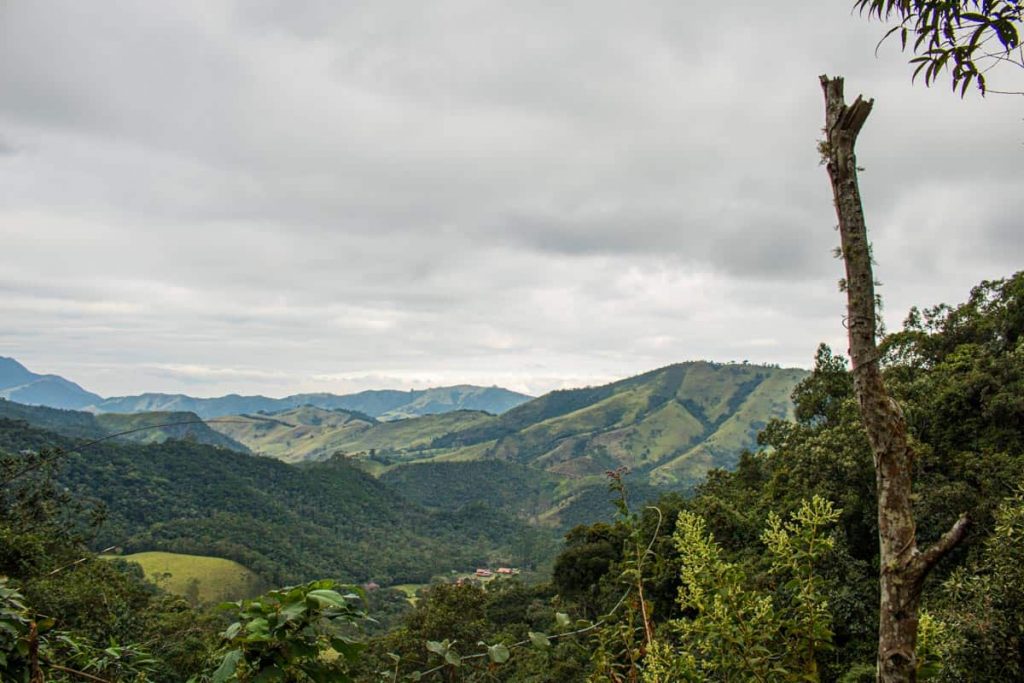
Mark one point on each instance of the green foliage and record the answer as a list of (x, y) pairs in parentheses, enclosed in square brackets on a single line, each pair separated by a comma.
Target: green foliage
[(15, 627), (762, 579), (451, 485), (301, 633), (975, 629), (736, 631), (66, 614), (957, 35), (506, 631)]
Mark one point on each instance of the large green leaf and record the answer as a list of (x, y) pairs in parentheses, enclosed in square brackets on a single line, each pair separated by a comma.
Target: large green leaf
[(227, 667)]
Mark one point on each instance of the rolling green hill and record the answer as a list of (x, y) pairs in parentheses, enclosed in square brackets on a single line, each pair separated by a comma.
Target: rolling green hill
[(545, 460), (67, 422), (305, 433), (159, 427), (309, 433)]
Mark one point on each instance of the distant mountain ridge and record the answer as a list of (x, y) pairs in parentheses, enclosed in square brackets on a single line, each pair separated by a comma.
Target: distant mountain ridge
[(381, 404), (19, 384)]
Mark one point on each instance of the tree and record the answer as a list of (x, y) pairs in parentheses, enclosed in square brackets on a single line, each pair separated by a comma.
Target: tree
[(968, 36), (903, 567), (732, 629)]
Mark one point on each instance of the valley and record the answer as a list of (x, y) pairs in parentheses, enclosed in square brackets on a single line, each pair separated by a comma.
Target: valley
[(308, 490)]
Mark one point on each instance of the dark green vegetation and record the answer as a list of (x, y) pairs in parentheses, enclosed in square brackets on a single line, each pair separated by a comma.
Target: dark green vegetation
[(966, 37), (285, 523)]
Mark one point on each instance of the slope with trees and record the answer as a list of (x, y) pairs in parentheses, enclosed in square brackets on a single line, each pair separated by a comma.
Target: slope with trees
[(286, 523)]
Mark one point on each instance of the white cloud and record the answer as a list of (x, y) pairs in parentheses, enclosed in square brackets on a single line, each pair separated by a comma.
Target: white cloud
[(277, 197)]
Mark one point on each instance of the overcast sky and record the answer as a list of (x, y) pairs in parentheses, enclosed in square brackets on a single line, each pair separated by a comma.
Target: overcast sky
[(277, 196)]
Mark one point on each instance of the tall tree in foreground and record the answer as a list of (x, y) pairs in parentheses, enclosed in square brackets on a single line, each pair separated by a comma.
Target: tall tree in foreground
[(903, 567)]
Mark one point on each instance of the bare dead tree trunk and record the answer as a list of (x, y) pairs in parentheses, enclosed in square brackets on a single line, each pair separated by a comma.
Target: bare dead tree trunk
[(902, 566)]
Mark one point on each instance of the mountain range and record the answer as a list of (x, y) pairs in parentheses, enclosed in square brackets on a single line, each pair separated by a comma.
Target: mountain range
[(336, 478), (19, 384), (669, 425)]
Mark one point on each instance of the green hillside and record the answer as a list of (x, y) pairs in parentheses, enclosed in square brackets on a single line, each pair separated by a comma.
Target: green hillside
[(67, 422), (198, 577), (671, 424), (416, 433), (310, 433), (493, 400), (159, 427), (305, 433), (286, 523)]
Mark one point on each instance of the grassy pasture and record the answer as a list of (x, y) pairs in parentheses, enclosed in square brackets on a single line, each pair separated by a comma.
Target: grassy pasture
[(197, 577)]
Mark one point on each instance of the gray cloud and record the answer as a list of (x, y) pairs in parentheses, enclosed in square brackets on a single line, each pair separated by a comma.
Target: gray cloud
[(275, 196)]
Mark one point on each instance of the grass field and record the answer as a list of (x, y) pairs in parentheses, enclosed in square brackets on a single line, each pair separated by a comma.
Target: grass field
[(197, 577)]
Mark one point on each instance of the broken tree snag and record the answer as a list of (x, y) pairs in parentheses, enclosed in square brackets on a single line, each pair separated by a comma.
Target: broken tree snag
[(902, 567)]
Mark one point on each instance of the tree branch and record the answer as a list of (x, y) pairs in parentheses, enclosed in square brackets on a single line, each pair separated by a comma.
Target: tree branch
[(924, 562)]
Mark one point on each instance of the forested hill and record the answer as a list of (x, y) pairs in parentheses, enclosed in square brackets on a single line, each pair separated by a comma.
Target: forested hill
[(286, 523), (138, 428)]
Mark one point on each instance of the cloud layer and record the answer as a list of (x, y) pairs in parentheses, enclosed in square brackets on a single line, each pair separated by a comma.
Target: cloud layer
[(276, 196)]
